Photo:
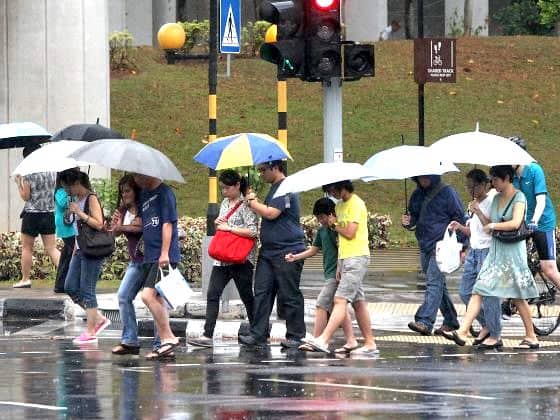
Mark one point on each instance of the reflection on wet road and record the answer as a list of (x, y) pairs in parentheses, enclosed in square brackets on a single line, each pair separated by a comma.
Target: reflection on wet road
[(47, 378)]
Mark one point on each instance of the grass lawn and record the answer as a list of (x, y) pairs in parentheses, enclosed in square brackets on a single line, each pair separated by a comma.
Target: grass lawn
[(510, 85)]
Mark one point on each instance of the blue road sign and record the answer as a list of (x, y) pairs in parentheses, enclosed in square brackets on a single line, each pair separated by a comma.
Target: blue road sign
[(230, 26)]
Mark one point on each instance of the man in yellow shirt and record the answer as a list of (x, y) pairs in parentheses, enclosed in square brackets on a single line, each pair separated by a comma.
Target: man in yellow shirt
[(350, 223)]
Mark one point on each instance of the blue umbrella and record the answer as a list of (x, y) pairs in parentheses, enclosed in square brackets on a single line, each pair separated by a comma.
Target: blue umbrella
[(245, 149), (23, 134)]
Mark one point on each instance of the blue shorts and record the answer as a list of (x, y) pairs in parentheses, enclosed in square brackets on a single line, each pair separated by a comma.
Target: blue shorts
[(545, 244)]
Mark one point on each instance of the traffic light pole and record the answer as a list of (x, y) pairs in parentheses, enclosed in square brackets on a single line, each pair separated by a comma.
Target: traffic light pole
[(332, 120), (420, 16)]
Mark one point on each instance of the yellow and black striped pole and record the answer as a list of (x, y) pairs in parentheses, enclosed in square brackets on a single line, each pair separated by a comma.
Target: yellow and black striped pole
[(212, 212), (283, 111)]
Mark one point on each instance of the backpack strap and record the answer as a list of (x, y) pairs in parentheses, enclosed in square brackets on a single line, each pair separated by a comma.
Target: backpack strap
[(435, 191)]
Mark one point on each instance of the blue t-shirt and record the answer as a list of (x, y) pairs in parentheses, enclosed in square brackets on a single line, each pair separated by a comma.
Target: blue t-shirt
[(283, 234), (156, 207), (532, 183), (61, 205)]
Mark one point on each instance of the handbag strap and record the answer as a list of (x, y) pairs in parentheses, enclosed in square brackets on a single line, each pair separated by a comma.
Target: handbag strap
[(509, 204), (233, 210)]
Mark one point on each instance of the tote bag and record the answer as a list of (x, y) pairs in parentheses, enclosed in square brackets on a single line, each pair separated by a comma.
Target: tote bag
[(173, 288), (228, 247), (448, 252)]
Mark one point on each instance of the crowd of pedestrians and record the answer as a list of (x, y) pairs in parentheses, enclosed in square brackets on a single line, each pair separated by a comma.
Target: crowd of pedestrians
[(147, 216)]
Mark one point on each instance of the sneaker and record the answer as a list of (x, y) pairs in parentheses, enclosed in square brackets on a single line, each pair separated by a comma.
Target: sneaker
[(102, 325), (419, 328), (85, 338), (201, 341), (291, 343)]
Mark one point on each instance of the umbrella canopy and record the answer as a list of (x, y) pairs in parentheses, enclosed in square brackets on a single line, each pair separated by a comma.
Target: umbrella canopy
[(86, 132), (403, 162), (128, 155), (52, 157), (321, 174), (22, 134), (479, 148), (245, 149)]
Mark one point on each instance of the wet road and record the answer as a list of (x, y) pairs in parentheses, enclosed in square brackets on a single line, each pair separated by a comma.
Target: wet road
[(46, 377)]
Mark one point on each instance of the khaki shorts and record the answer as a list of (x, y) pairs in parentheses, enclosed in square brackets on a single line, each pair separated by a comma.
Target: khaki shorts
[(353, 271), (326, 296)]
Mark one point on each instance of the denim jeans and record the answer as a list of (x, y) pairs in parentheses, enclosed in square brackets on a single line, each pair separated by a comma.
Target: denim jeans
[(242, 275), (131, 284), (64, 263), (81, 279), (490, 315), (436, 295), (274, 273)]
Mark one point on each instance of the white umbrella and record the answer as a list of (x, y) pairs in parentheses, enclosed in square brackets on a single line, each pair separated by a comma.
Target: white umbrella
[(52, 157), (321, 174), (479, 148), (129, 155), (403, 162)]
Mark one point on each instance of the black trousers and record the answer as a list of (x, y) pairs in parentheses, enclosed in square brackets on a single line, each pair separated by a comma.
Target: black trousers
[(64, 263), (274, 273), (242, 275)]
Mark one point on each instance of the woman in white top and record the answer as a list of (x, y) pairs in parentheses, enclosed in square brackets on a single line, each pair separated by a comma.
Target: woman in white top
[(478, 184)]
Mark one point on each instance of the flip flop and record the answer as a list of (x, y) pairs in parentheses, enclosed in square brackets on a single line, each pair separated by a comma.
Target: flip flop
[(346, 349), (306, 347), (166, 348), (317, 346), (22, 285), (364, 351), (477, 341), (526, 345), (154, 356), (453, 336)]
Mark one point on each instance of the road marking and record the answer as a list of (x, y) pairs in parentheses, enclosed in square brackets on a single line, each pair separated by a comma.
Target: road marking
[(44, 407), (183, 364), (378, 388), (35, 352), (413, 357), (277, 361), (458, 355)]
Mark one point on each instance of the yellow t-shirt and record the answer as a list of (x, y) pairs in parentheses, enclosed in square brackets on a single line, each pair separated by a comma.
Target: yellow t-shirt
[(354, 210)]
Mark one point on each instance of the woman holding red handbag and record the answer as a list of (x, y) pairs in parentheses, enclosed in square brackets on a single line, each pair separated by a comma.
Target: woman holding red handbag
[(236, 228)]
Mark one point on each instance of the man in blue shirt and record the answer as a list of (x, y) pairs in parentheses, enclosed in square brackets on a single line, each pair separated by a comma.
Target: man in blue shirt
[(158, 210), (540, 216), (280, 234)]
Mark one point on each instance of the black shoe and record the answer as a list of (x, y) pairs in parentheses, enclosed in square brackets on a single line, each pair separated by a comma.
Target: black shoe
[(58, 290), (291, 343), (250, 341), (419, 328), (496, 346)]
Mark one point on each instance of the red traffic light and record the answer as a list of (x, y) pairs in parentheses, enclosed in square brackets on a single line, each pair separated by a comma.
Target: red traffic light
[(325, 4)]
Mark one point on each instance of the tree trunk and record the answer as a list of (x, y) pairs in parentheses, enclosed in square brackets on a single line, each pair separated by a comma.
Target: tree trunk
[(467, 18)]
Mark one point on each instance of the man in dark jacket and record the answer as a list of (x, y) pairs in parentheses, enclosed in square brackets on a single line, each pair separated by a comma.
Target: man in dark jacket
[(433, 205)]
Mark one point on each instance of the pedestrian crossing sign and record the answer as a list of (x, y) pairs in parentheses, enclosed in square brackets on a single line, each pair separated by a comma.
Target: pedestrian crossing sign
[(230, 26)]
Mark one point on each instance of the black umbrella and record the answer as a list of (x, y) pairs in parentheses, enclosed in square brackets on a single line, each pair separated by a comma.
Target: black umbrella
[(14, 135), (86, 132)]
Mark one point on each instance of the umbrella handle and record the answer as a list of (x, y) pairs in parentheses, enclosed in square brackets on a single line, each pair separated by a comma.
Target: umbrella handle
[(405, 189)]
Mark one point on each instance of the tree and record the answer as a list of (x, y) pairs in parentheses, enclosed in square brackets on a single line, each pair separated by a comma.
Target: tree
[(467, 18), (550, 11), (523, 17)]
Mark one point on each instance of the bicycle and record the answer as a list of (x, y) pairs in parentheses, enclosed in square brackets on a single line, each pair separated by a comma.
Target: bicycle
[(545, 313)]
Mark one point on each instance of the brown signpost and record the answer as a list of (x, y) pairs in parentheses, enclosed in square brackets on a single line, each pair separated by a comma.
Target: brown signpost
[(434, 60)]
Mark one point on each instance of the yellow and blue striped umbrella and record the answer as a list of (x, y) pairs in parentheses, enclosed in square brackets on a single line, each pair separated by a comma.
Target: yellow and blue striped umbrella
[(245, 149)]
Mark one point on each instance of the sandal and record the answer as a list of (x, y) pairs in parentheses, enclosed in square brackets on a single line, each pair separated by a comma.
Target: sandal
[(22, 284), (346, 349), (122, 349), (167, 348), (306, 347), (526, 345)]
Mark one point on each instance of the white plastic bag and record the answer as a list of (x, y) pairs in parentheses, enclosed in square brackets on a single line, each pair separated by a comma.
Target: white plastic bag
[(173, 288), (448, 252)]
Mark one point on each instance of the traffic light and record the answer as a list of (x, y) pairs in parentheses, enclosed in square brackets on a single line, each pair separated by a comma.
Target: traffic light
[(323, 40), (288, 50), (358, 61)]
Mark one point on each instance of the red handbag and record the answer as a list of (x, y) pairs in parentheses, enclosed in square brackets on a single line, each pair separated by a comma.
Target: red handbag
[(228, 247)]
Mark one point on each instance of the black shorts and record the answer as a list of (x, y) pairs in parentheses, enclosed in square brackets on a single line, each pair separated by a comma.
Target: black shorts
[(34, 224), (545, 243), (152, 274)]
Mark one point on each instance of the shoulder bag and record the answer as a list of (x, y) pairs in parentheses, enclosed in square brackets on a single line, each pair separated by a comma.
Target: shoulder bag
[(94, 243), (228, 247), (511, 236)]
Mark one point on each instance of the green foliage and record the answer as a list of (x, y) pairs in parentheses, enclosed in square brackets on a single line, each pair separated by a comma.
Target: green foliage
[(197, 33), (522, 17), (550, 11), (108, 193), (254, 33), (121, 52)]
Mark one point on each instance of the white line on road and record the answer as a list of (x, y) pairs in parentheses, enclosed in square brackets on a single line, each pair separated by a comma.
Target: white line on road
[(41, 406), (378, 388)]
